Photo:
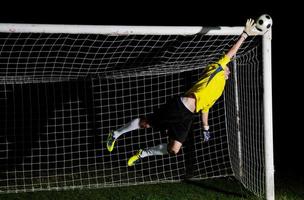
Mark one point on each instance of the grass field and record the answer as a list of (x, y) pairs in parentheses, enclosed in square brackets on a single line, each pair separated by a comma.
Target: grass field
[(217, 189)]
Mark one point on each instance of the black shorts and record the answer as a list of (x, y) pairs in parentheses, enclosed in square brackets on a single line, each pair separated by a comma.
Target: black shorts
[(173, 117)]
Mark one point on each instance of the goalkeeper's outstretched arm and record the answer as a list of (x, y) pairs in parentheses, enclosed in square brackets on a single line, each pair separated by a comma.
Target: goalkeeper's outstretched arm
[(249, 30)]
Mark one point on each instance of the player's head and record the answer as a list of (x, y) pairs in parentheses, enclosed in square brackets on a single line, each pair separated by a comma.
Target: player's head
[(226, 72)]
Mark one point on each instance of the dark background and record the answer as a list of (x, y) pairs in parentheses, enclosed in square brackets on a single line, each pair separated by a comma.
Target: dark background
[(287, 37)]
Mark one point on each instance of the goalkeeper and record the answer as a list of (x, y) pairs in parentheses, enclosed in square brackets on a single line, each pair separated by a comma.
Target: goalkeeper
[(176, 116)]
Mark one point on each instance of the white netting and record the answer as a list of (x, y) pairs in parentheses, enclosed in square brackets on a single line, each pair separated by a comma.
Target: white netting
[(62, 93), (245, 121)]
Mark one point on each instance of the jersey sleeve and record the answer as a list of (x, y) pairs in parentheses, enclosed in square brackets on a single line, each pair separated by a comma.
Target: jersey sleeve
[(208, 106), (205, 110), (223, 61)]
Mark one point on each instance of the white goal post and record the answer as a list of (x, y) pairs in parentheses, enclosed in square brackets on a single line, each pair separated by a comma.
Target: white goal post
[(80, 81)]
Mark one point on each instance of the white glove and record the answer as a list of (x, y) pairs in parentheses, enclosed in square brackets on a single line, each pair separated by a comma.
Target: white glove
[(250, 28), (206, 134)]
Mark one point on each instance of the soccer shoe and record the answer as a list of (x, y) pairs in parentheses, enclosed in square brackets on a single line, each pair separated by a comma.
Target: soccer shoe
[(110, 141), (135, 159)]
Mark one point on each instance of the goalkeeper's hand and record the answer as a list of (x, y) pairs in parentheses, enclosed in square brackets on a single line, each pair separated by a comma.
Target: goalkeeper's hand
[(206, 134), (250, 28)]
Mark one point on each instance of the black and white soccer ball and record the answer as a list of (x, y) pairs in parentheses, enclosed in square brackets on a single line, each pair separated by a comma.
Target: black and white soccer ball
[(263, 23)]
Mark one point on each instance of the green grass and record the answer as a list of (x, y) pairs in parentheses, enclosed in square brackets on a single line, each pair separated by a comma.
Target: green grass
[(221, 189)]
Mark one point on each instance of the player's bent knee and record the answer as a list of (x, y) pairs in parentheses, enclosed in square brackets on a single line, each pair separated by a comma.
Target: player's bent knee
[(143, 123), (173, 152), (174, 147)]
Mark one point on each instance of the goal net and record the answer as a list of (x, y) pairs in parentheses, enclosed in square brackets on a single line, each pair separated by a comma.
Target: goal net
[(64, 88)]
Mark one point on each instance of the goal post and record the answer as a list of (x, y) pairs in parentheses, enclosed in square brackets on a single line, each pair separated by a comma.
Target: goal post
[(267, 83), (64, 87)]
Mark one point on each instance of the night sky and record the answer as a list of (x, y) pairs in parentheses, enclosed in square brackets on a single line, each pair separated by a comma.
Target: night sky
[(287, 67)]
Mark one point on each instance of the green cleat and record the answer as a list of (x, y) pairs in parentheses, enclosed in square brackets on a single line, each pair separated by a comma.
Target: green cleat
[(135, 159), (110, 141)]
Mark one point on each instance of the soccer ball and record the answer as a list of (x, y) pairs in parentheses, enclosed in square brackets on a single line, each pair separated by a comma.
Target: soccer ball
[(263, 23)]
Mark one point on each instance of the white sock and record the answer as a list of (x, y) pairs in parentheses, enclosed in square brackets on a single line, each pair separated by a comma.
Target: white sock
[(154, 151), (132, 125)]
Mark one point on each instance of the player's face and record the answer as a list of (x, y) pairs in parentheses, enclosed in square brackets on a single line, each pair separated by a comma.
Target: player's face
[(227, 72)]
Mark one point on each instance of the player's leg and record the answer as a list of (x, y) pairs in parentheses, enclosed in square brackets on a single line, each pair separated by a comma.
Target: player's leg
[(161, 149), (174, 147), (132, 125)]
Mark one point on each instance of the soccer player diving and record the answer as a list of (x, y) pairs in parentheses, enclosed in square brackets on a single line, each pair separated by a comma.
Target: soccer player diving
[(176, 116)]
